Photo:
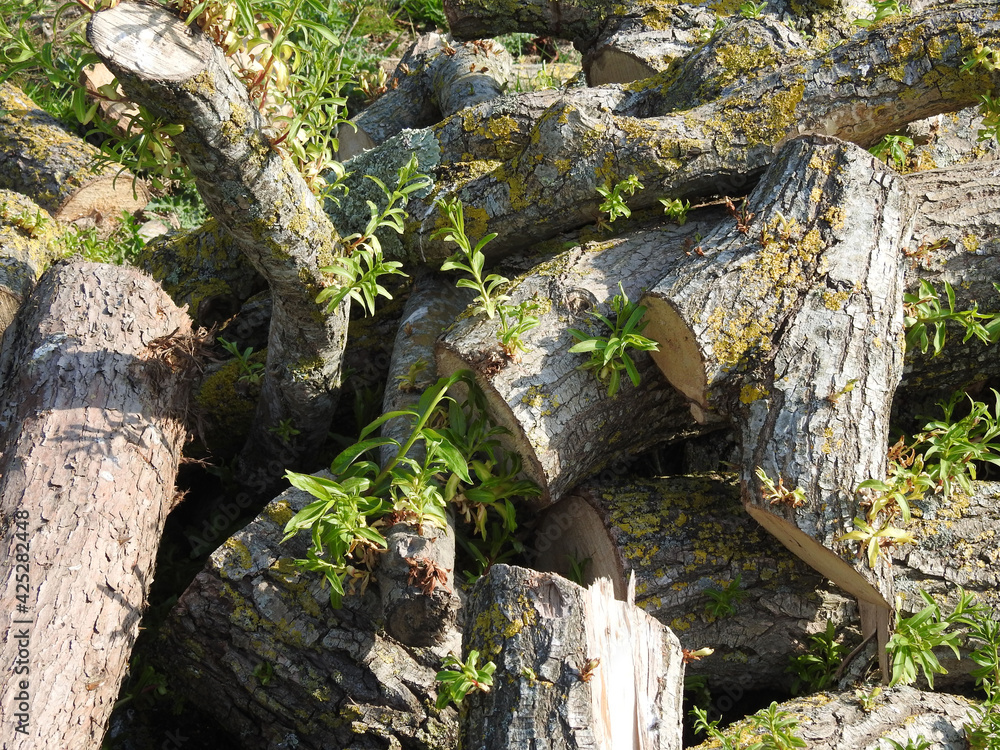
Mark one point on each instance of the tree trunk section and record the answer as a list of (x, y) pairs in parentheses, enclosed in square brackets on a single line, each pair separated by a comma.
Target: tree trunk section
[(789, 326), (680, 536), (97, 377), (260, 198), (838, 722), (55, 168), (256, 635), (28, 239), (574, 666)]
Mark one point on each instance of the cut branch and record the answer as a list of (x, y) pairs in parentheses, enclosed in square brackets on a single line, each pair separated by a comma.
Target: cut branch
[(258, 196)]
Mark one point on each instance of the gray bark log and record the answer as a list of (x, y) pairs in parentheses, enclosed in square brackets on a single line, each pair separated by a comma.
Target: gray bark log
[(258, 196), (55, 168), (96, 386), (544, 633), (255, 635)]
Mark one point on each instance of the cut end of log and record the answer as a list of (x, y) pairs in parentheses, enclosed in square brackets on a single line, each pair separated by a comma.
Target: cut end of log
[(678, 358), (614, 66), (821, 559), (149, 41), (352, 142), (515, 441), (105, 198)]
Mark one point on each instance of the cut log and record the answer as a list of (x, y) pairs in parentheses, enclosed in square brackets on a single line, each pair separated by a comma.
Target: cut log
[(255, 192), (55, 168), (27, 245), (585, 140), (97, 370), (433, 80), (257, 636), (681, 536), (561, 420), (573, 665), (790, 326), (838, 722)]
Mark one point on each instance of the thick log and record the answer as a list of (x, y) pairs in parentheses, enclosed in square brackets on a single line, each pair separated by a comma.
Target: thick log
[(97, 369), (432, 81), (254, 634), (834, 721), (790, 326), (28, 238), (681, 536), (55, 168), (869, 86), (561, 420), (574, 666), (255, 192)]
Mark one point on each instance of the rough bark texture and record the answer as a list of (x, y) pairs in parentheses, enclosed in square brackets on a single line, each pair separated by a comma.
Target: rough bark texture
[(257, 195), (95, 392), (680, 536), (258, 637), (419, 608), (789, 325), (544, 634), (837, 722), (27, 239), (53, 167), (871, 85)]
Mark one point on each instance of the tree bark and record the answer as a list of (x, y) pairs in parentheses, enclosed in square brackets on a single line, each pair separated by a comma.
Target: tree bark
[(574, 666), (258, 196), (789, 325), (55, 168), (258, 637), (680, 536), (97, 369), (838, 722)]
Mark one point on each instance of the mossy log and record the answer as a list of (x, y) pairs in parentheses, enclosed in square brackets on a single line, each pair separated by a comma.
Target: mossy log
[(96, 373), (574, 666), (837, 721), (28, 238), (56, 168), (681, 536), (254, 191), (433, 80), (871, 85), (256, 635), (789, 325)]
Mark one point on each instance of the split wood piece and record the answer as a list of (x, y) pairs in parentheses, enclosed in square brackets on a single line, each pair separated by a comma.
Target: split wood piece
[(573, 665), (681, 536), (96, 382), (862, 89), (55, 168), (334, 679), (791, 326), (434, 80), (255, 192), (561, 420), (205, 269), (836, 721), (118, 112), (28, 238), (416, 574)]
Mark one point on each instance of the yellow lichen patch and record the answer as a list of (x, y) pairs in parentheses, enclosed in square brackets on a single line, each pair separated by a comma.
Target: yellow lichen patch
[(235, 559), (835, 300), (750, 393), (834, 216), (279, 512), (823, 163), (752, 122), (970, 242), (740, 61)]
